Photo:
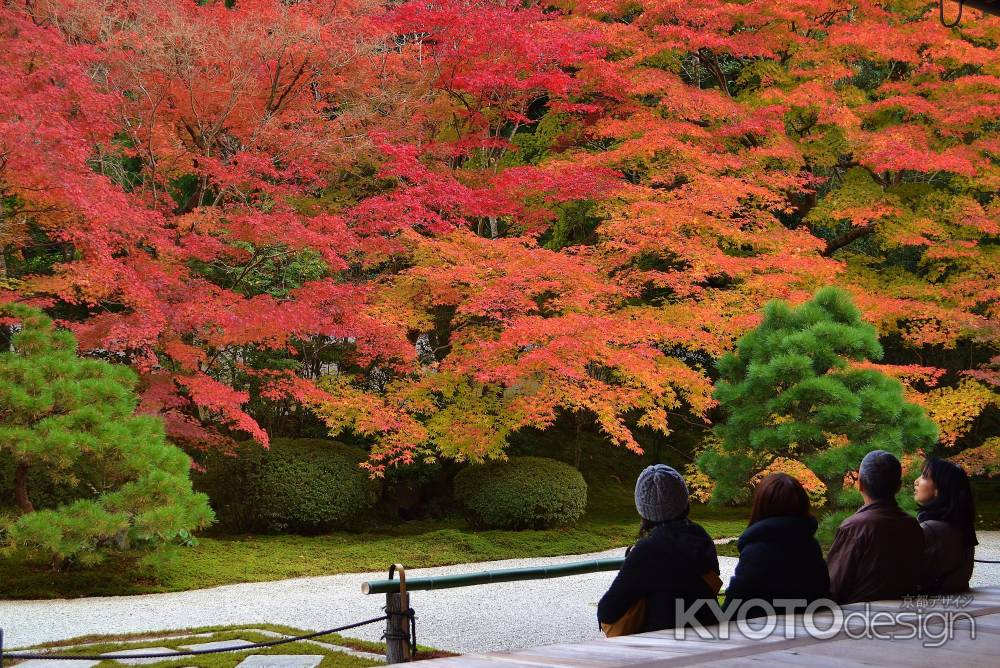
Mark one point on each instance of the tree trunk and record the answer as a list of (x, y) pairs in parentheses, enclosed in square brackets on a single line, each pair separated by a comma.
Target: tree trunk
[(711, 63), (5, 332), (579, 447), (21, 488), (3, 247), (843, 240)]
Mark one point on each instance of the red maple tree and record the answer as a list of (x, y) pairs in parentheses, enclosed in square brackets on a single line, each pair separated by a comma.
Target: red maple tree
[(435, 232)]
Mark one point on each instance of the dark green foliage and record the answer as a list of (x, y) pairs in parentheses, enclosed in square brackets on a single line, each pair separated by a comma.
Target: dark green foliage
[(114, 483), (277, 271), (576, 225), (534, 142), (297, 485), (522, 493), (789, 390), (418, 490), (46, 492)]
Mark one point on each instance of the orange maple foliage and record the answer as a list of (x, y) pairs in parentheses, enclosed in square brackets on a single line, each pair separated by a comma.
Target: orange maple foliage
[(435, 233)]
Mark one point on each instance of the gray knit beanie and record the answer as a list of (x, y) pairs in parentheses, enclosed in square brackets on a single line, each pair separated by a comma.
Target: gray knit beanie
[(660, 494)]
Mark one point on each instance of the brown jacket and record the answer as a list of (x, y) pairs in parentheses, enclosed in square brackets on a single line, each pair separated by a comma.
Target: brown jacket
[(947, 558), (877, 554)]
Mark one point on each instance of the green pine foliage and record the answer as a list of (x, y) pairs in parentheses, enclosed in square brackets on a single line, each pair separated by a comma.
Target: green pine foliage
[(522, 493), (790, 390), (72, 420)]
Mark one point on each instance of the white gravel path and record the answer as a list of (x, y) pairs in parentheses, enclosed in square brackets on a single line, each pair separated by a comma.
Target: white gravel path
[(475, 619)]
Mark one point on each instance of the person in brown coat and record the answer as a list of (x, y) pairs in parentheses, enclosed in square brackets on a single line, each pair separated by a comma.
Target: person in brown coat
[(878, 551), (947, 516)]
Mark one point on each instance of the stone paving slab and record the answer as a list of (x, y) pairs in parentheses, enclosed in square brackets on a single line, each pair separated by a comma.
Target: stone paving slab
[(138, 650), (157, 638), (281, 661), (361, 654), (218, 644)]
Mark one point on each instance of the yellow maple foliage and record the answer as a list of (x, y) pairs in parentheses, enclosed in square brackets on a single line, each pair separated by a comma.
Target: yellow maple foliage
[(954, 409), (982, 460), (699, 483), (815, 488)]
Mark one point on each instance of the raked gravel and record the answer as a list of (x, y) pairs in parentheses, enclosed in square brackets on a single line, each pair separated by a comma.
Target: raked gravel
[(499, 616)]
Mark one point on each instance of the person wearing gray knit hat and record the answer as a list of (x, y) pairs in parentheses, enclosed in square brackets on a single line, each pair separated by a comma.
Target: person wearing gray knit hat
[(660, 494), (672, 565)]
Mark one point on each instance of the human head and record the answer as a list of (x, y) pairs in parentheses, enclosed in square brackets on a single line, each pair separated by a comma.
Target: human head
[(880, 475), (943, 488), (660, 494), (779, 495)]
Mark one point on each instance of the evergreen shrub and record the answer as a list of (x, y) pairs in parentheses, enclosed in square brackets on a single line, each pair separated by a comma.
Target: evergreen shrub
[(522, 493), (296, 486)]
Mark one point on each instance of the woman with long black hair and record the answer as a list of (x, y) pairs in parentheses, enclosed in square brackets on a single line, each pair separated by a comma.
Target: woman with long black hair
[(947, 516)]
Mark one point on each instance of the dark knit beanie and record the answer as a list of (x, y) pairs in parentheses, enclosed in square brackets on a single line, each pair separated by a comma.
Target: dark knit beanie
[(660, 494)]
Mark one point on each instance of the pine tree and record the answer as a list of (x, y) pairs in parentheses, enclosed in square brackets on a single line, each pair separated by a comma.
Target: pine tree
[(797, 387), (72, 418)]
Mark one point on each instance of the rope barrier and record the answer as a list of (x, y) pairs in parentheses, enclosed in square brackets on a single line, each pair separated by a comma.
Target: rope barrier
[(194, 652), (411, 636)]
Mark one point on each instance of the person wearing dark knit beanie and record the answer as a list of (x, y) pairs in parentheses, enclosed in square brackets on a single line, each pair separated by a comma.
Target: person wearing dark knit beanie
[(673, 559), (660, 494)]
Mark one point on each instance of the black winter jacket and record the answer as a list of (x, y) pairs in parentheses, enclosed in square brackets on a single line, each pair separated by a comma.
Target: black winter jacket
[(948, 558), (666, 565), (779, 559)]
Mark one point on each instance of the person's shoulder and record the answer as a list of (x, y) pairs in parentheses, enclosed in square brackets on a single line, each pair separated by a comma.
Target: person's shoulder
[(906, 518), (852, 521), (668, 536), (640, 546), (938, 528), (755, 549), (781, 529), (903, 524), (880, 512), (648, 545), (695, 529)]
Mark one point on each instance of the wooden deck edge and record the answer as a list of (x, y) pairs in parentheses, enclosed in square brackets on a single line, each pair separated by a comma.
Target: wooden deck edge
[(536, 656)]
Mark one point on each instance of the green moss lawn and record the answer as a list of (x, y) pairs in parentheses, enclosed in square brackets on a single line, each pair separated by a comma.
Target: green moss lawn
[(217, 560), (228, 559)]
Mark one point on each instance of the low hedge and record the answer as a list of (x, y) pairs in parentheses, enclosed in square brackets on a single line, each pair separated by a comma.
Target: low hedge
[(296, 486), (522, 493)]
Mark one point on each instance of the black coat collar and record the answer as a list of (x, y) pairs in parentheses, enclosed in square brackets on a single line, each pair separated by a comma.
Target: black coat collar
[(780, 529)]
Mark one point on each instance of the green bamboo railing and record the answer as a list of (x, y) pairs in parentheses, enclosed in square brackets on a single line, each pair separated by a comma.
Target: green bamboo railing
[(489, 577)]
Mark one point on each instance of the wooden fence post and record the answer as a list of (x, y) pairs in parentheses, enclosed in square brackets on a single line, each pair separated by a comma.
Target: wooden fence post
[(397, 626)]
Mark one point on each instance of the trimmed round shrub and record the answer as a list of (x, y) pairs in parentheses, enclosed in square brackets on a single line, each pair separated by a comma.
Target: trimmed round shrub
[(295, 486), (522, 493)]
